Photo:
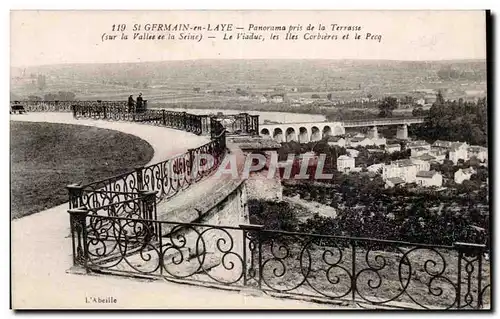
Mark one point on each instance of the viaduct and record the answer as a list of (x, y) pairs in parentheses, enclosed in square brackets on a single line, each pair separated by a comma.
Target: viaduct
[(310, 132)]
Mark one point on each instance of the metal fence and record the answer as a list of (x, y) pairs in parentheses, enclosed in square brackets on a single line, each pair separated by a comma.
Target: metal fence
[(125, 238), (168, 177)]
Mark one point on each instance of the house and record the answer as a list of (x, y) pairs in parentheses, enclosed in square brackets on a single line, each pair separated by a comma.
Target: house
[(429, 178), (359, 141), (393, 182), (479, 152), (376, 168), (418, 144), (403, 169), (336, 141), (353, 135), (422, 162), (352, 152), (277, 98), (438, 154), (418, 151), (345, 163), (460, 145), (379, 141), (463, 174), (458, 153), (420, 102), (263, 99), (391, 148), (441, 144), (430, 99)]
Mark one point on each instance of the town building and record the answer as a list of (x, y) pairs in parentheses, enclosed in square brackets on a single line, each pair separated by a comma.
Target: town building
[(359, 141), (458, 153), (420, 102), (429, 178), (263, 99), (463, 174), (376, 168), (479, 152), (403, 169), (391, 148), (393, 182), (352, 152), (345, 163), (418, 151), (277, 98), (438, 154), (336, 141), (379, 141), (422, 162), (418, 144), (441, 144)]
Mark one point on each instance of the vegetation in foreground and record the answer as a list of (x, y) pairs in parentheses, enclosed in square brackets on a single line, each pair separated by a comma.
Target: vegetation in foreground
[(46, 157)]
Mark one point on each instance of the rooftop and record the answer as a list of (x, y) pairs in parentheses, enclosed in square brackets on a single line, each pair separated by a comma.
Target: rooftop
[(426, 174), (344, 157), (425, 157), (396, 180), (358, 139), (403, 162)]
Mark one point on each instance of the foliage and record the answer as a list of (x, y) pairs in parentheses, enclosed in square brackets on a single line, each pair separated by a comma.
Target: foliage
[(272, 215), (59, 96), (387, 106), (365, 208), (456, 121)]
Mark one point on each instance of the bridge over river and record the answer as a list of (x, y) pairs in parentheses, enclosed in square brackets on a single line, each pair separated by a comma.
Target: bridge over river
[(315, 131)]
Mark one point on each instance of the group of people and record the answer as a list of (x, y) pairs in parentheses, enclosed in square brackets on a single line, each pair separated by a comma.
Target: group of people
[(134, 106)]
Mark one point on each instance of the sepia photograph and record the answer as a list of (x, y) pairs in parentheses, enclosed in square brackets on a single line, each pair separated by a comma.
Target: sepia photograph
[(259, 159)]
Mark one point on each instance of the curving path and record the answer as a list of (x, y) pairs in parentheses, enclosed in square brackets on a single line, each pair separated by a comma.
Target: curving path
[(41, 251)]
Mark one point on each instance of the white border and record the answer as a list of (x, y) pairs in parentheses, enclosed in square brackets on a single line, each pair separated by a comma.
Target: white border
[(217, 5)]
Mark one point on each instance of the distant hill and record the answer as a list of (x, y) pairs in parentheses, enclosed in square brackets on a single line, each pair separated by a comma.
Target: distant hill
[(346, 78), (245, 70)]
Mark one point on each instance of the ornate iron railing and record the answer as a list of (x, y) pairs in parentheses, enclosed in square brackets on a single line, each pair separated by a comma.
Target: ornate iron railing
[(242, 123), (129, 240), (168, 177)]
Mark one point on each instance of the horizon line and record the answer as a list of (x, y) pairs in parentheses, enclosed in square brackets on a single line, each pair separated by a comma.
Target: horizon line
[(247, 59)]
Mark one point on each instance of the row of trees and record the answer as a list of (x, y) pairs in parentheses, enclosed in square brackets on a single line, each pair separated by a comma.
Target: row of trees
[(54, 96), (455, 121)]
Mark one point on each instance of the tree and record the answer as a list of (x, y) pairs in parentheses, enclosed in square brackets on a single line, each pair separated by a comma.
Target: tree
[(388, 105), (418, 111)]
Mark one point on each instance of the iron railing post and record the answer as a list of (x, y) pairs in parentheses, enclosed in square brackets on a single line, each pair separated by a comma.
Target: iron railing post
[(140, 178), (353, 270), (75, 192), (79, 236), (470, 253), (164, 118), (252, 232)]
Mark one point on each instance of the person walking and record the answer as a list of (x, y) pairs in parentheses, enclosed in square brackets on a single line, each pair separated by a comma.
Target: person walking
[(131, 104), (139, 102)]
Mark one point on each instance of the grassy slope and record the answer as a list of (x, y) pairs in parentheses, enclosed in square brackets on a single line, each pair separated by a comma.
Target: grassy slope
[(47, 157)]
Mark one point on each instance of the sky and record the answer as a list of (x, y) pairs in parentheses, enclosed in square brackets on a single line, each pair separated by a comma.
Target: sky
[(54, 37)]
